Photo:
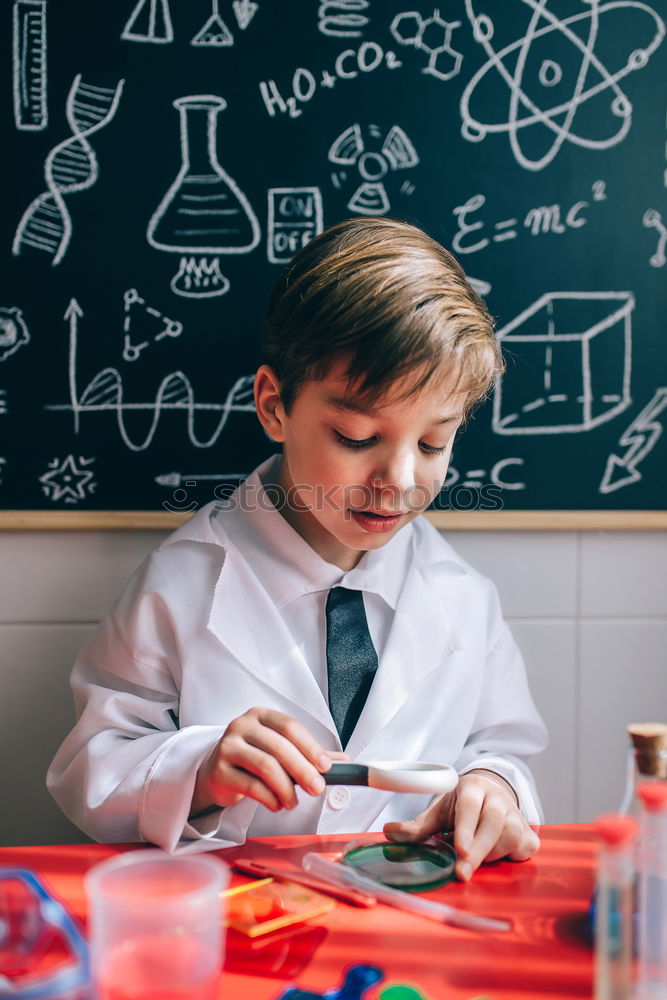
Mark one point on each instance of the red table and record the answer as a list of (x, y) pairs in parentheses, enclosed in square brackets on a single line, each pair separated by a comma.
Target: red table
[(546, 956)]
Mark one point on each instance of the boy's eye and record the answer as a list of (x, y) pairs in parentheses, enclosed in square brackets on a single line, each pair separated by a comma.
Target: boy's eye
[(349, 442), (353, 442), (432, 450)]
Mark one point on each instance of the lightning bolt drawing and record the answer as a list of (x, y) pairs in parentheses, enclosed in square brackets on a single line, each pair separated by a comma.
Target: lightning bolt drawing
[(638, 440)]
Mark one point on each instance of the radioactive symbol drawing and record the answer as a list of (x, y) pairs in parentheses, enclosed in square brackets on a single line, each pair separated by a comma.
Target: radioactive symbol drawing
[(375, 159)]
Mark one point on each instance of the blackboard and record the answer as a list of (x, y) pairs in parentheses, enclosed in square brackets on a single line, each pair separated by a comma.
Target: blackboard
[(163, 159)]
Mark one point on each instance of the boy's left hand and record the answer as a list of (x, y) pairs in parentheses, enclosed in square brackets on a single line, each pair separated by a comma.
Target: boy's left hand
[(483, 812)]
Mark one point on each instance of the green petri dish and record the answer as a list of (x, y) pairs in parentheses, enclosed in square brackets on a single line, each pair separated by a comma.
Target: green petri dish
[(412, 867)]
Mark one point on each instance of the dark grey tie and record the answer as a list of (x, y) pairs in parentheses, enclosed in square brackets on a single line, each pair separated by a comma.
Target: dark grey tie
[(351, 658)]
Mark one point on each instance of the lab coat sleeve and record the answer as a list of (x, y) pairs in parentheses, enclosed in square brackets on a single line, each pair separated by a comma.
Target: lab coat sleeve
[(126, 772), (507, 727)]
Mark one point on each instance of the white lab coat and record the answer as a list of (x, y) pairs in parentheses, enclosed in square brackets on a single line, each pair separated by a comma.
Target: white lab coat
[(195, 641)]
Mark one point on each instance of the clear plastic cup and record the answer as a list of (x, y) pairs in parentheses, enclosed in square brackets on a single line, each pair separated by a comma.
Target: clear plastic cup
[(156, 926)]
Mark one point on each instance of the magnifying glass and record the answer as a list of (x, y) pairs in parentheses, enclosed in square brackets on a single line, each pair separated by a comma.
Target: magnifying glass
[(395, 776)]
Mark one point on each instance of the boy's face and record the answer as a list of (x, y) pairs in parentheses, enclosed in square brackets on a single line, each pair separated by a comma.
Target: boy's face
[(354, 475)]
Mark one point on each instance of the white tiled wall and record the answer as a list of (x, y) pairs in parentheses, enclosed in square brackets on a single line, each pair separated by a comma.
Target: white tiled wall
[(589, 611)]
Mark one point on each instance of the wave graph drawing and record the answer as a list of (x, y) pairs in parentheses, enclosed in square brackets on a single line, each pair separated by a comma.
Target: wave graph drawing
[(105, 393), (175, 392), (71, 166), (592, 77)]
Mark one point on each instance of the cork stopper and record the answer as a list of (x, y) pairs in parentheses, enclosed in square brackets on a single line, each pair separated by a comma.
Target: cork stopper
[(649, 740)]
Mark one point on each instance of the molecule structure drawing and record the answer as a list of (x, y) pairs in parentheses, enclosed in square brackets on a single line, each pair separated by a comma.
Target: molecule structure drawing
[(546, 101), (433, 36)]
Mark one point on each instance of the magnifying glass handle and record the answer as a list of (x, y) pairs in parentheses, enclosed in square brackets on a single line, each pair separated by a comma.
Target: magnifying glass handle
[(346, 774)]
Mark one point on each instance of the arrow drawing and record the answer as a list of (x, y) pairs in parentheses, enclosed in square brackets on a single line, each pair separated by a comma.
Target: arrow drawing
[(72, 314), (638, 439), (182, 478), (245, 10)]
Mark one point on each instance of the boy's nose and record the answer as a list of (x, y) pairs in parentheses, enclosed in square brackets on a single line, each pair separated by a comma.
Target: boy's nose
[(397, 472)]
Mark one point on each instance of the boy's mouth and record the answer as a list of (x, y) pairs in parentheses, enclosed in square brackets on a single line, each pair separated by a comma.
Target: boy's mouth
[(375, 521)]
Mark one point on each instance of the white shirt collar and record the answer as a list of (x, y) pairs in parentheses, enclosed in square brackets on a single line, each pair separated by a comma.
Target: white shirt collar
[(286, 564)]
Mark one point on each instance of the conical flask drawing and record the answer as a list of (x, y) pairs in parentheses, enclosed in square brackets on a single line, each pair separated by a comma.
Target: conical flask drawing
[(204, 213), (150, 21)]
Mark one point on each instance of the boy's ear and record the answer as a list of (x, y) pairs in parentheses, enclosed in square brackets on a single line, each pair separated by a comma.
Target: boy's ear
[(268, 403)]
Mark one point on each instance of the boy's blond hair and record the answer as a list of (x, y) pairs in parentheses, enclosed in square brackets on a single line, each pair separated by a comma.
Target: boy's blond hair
[(389, 300)]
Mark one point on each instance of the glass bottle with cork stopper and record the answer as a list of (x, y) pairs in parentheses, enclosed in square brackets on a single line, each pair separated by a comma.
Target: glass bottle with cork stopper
[(647, 760)]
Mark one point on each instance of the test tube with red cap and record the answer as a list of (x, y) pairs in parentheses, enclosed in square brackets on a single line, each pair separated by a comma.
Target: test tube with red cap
[(652, 913), (614, 906)]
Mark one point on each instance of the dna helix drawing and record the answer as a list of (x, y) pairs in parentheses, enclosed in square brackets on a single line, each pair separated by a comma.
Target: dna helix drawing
[(71, 166)]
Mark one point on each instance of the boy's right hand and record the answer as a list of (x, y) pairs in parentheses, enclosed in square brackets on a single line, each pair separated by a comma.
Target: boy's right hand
[(262, 754)]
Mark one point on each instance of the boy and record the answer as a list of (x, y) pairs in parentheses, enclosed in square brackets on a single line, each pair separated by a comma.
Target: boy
[(206, 699)]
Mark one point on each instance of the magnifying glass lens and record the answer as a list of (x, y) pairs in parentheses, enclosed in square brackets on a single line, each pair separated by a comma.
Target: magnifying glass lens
[(404, 866)]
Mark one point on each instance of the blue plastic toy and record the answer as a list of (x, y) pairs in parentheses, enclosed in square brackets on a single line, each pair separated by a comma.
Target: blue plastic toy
[(357, 980)]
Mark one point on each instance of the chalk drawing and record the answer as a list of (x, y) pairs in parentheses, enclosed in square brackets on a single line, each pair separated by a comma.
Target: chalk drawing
[(348, 65), (294, 217), (564, 339), (150, 21), (342, 18), (70, 167), (68, 481), (653, 220), (433, 36), (636, 441), (3, 402), (244, 11), (29, 65), (214, 33), (192, 478), (13, 331), (554, 219), (204, 212), (481, 286), (105, 393), (529, 67), (165, 327), (394, 152), (477, 478)]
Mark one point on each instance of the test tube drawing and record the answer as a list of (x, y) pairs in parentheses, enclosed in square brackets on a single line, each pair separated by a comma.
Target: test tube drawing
[(71, 166), (204, 213), (214, 33), (29, 65), (150, 21)]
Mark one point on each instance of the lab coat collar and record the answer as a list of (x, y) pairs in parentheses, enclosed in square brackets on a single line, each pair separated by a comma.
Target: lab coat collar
[(286, 564), (267, 562), (245, 620)]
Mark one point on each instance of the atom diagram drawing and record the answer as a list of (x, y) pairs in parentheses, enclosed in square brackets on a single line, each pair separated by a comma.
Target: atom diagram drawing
[(532, 67)]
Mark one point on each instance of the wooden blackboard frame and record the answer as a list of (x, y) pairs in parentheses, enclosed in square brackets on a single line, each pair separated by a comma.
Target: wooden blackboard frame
[(472, 520), (549, 225)]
